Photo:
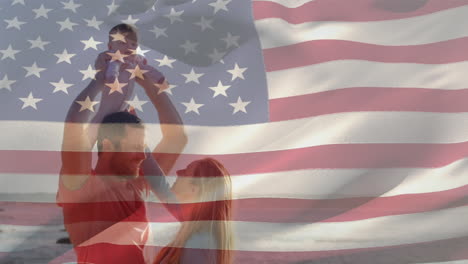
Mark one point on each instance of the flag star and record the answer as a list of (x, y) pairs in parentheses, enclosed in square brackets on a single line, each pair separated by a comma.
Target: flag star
[(192, 76), (34, 70), (61, 86), (220, 5), (117, 56), (41, 12), (71, 6), (38, 43), (91, 43), (87, 104), (231, 40), (112, 7), (204, 23), (118, 37), (189, 47), (30, 101), (217, 56), (237, 72), (168, 89), (239, 106), (64, 56), (14, 23), (192, 106), (139, 51), (93, 23), (9, 53), (89, 73), (130, 20), (174, 16), (159, 31), (165, 62), (5, 83), (220, 89), (136, 103), (17, 2), (66, 24), (116, 86), (137, 72)]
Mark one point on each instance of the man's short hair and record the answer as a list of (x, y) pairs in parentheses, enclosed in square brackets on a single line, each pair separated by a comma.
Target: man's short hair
[(130, 30), (113, 127)]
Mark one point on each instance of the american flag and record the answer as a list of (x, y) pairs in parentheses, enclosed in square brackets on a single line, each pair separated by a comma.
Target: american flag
[(341, 121)]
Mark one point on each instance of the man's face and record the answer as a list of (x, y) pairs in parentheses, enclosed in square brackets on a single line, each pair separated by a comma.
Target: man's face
[(130, 154)]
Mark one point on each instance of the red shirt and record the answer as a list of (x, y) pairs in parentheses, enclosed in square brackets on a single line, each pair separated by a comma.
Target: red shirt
[(106, 219)]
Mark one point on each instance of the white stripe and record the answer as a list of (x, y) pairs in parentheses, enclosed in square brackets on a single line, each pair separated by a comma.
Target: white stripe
[(342, 128), (335, 75), (447, 262), (301, 184), (288, 3), (284, 237), (435, 27)]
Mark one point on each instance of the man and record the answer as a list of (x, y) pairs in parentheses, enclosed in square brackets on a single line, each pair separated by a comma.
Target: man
[(104, 210)]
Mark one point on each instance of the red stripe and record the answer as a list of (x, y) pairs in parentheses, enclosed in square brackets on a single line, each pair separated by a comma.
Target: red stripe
[(317, 157), (319, 51), (273, 210), (434, 251), (356, 10), (369, 99)]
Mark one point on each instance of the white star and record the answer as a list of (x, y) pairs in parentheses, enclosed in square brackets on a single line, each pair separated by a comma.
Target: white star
[(66, 24), (204, 23), (136, 103), (89, 73), (237, 72), (168, 89), (174, 16), (189, 47), (14, 23), (231, 40), (137, 72), (87, 104), (5, 83), (239, 106), (64, 56), (117, 56), (61, 86), (41, 12), (71, 6), (192, 106), (159, 31), (17, 2), (192, 76), (9, 53), (94, 23), (38, 43), (217, 56), (139, 51), (34, 70), (220, 5), (220, 89), (118, 37), (130, 20), (116, 86), (112, 7), (91, 43), (165, 62), (30, 101)]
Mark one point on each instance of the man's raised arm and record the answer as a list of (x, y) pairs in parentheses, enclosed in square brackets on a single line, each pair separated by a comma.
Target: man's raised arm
[(174, 138)]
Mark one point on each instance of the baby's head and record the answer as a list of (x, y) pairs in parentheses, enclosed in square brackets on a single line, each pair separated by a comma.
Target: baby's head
[(123, 37)]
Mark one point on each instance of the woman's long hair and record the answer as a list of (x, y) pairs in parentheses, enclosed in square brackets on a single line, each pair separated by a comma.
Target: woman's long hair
[(211, 213)]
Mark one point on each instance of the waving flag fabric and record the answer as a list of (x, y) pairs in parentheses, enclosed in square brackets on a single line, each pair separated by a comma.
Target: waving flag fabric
[(343, 123)]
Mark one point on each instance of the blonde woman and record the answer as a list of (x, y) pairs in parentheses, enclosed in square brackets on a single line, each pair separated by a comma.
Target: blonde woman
[(205, 235)]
